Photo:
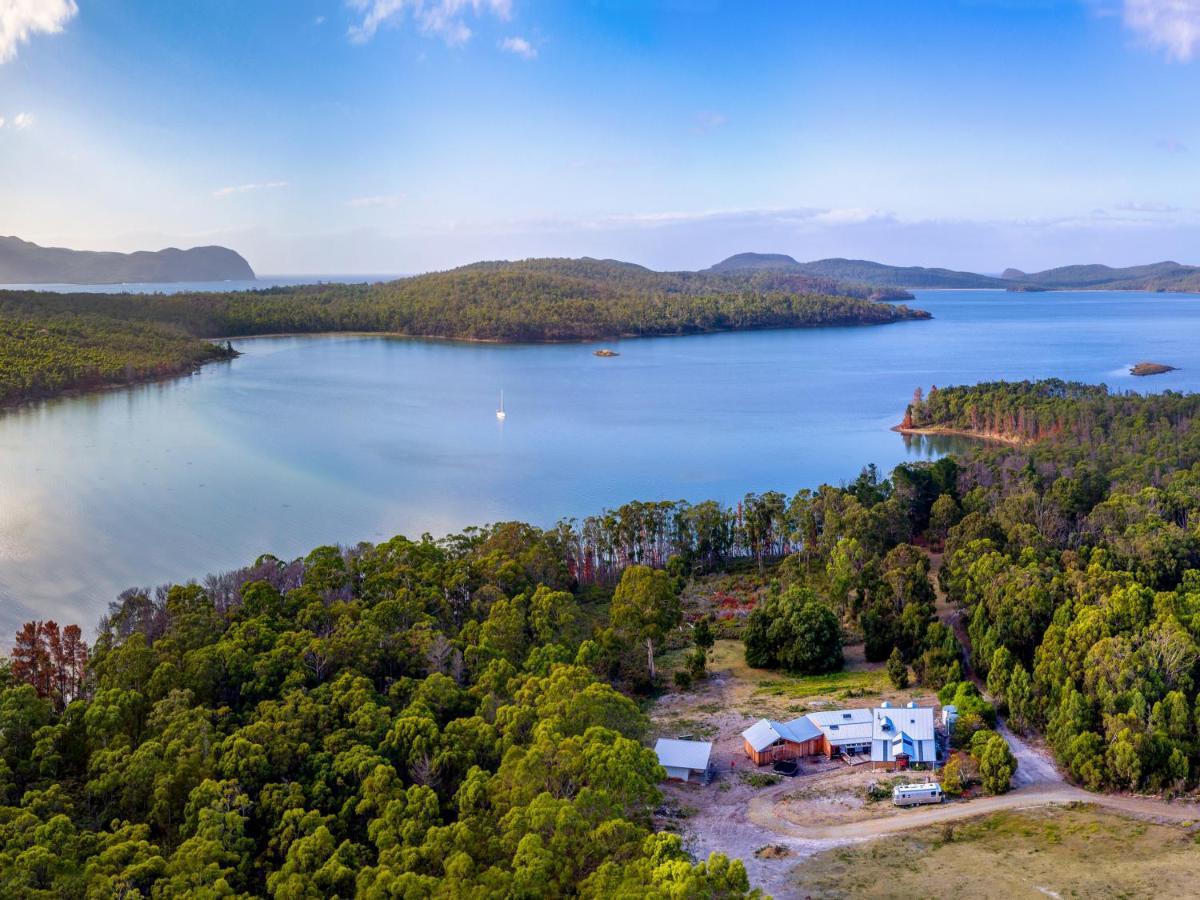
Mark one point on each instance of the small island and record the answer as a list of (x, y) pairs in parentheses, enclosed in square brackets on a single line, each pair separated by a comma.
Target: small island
[(605, 352), (1150, 368)]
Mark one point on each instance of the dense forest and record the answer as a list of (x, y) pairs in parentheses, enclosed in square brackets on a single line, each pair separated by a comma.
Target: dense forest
[(1076, 557), (86, 340), (464, 716), (44, 354), (413, 719)]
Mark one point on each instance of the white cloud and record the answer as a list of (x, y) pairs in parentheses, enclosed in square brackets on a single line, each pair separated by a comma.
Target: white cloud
[(520, 47), (247, 188), (20, 19), (376, 201), (443, 18), (1172, 25), (22, 120)]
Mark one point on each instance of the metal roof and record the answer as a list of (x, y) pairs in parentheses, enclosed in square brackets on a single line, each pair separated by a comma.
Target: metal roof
[(906, 788), (673, 754), (914, 722), (844, 726), (763, 733)]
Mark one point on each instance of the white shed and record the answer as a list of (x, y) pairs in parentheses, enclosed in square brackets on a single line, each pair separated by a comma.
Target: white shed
[(683, 759)]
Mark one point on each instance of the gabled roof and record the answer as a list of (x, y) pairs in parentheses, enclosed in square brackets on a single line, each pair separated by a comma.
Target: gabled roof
[(673, 754), (763, 733), (914, 721), (842, 726)]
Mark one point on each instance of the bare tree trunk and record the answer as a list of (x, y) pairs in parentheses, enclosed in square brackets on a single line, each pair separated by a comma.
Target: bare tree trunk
[(650, 656)]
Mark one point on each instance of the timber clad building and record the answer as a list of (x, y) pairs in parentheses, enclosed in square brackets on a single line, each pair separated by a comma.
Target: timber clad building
[(892, 737)]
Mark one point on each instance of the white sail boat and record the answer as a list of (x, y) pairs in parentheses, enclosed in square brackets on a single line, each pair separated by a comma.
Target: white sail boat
[(500, 413)]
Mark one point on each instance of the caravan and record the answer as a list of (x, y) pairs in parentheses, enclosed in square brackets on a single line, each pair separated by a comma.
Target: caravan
[(917, 794)]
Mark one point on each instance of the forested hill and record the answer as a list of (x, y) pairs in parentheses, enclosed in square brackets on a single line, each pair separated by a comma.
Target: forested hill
[(857, 271), (91, 339), (24, 263), (1163, 276), (1068, 419)]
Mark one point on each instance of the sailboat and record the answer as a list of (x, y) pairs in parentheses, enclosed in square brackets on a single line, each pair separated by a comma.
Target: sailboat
[(500, 413)]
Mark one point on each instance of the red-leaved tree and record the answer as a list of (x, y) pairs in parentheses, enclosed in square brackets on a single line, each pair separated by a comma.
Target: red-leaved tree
[(51, 659)]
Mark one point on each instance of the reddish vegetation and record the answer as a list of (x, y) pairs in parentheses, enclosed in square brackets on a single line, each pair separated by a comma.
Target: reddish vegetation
[(54, 661)]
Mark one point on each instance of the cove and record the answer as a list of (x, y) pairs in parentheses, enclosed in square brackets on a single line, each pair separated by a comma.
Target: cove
[(342, 438)]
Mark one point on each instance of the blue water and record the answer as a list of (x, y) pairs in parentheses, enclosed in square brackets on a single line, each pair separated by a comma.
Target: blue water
[(303, 441), (186, 287)]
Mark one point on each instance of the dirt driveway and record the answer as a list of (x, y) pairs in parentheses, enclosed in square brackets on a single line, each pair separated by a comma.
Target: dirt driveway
[(773, 829)]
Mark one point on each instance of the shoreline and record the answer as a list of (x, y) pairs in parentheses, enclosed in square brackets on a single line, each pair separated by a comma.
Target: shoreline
[(535, 342), (79, 391), (7, 406), (986, 436)]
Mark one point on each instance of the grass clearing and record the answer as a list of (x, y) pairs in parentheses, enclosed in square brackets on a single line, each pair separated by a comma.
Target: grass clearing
[(1069, 852), (841, 685)]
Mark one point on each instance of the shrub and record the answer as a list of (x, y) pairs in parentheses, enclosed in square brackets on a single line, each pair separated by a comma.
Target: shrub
[(997, 765), (897, 670), (952, 777), (760, 779)]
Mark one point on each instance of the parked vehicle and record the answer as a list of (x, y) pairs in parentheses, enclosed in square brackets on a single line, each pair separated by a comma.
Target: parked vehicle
[(917, 794)]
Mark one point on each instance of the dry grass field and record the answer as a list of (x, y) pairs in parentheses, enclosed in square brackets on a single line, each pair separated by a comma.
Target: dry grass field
[(1079, 851)]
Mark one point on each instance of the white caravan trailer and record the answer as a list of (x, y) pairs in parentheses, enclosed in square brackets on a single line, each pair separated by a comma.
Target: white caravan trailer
[(917, 794)]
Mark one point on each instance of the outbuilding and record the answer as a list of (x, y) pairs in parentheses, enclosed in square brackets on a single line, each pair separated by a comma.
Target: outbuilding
[(768, 741), (683, 759)]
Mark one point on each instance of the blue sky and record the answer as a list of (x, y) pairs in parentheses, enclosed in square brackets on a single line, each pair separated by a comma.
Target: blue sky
[(337, 136)]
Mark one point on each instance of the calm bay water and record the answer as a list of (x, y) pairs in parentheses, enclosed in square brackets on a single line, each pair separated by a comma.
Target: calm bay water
[(325, 439), (262, 282)]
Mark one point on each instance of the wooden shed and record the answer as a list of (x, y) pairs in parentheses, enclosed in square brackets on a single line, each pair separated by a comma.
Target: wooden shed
[(768, 741)]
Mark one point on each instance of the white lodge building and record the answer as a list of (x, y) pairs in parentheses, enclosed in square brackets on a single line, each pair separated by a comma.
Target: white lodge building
[(894, 737)]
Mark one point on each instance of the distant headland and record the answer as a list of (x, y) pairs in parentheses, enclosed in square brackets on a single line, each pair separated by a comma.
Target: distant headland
[(1161, 276), (24, 263)]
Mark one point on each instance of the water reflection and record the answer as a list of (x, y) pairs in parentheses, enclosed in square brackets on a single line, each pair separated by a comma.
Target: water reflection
[(305, 441)]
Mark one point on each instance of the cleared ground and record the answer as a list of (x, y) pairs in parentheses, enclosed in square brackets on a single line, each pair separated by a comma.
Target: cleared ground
[(782, 830), (1080, 851)]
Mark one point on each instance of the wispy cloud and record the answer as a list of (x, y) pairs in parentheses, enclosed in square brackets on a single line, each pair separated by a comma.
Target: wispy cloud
[(378, 200), (440, 18), (707, 121), (247, 188), (1171, 145), (1147, 207), (1170, 25), (19, 122), (21, 19), (519, 47)]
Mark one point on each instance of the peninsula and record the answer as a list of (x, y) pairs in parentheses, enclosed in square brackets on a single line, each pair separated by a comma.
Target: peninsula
[(24, 263), (52, 342)]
